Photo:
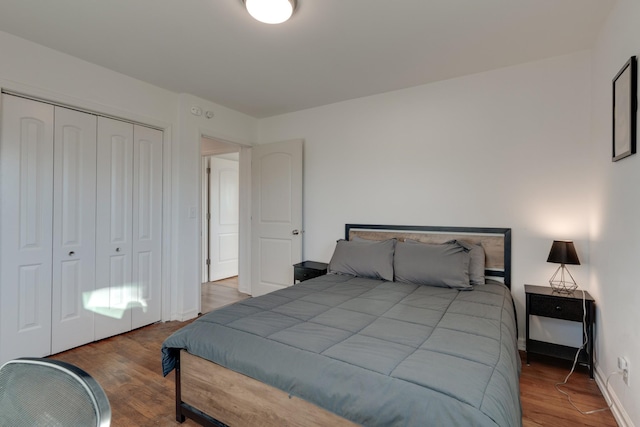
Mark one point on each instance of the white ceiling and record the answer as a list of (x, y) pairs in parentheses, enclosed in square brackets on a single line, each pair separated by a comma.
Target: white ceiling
[(330, 51)]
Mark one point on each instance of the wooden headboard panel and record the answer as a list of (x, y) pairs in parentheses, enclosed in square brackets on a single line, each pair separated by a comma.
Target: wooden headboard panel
[(496, 242)]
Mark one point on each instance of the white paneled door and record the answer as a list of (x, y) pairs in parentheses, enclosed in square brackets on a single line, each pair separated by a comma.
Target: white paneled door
[(26, 214), (74, 228), (224, 190), (112, 296), (276, 189), (129, 227), (146, 284), (80, 227)]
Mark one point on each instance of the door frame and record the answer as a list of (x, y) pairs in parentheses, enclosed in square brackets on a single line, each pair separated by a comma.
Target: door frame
[(205, 193), (244, 227)]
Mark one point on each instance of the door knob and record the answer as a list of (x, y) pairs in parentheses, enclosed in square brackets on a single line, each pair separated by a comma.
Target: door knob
[(72, 253), (117, 249), (295, 232)]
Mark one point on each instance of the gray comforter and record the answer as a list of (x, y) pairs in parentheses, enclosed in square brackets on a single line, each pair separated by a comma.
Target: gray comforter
[(377, 353)]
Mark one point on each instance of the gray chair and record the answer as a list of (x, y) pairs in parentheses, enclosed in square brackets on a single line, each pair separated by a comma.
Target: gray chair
[(44, 392)]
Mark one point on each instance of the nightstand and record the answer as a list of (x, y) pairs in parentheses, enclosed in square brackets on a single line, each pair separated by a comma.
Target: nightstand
[(543, 301), (308, 270)]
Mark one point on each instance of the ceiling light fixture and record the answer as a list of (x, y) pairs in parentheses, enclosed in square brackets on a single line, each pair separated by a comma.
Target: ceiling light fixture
[(271, 11)]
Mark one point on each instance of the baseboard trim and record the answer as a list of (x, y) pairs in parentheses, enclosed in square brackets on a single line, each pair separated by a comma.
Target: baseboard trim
[(618, 411), (182, 317)]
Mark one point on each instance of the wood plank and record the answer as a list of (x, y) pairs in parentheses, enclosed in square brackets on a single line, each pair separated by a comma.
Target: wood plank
[(128, 367), (238, 400), (220, 293), (543, 405)]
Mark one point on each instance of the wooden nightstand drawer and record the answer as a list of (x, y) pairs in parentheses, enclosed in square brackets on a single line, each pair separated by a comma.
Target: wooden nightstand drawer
[(558, 308)]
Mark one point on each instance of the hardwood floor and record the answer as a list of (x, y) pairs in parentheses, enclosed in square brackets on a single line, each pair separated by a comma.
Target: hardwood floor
[(128, 368), (543, 405), (220, 293)]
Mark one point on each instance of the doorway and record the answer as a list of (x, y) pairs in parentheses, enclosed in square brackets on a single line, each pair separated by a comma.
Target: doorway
[(220, 222), (221, 217), (278, 171)]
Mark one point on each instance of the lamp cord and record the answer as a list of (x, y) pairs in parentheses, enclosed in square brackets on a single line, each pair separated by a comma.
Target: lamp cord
[(575, 361)]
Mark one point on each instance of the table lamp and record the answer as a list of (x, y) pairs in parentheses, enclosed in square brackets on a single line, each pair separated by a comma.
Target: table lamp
[(563, 252)]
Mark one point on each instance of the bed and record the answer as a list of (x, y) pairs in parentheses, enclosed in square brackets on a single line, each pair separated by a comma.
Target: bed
[(412, 326)]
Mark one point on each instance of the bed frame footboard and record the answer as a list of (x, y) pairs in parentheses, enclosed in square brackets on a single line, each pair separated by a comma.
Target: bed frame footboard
[(214, 396), (184, 410)]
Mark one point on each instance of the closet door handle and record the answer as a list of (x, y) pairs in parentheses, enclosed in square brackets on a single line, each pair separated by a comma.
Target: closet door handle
[(72, 253), (117, 249)]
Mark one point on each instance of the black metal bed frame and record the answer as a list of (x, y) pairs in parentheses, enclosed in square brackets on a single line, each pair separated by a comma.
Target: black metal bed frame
[(184, 410)]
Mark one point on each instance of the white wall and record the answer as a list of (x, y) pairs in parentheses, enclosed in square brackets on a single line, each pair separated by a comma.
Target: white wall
[(35, 70), (615, 231), (227, 125), (506, 148)]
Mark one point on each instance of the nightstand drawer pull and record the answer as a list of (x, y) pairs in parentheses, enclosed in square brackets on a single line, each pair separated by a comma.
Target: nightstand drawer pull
[(558, 308)]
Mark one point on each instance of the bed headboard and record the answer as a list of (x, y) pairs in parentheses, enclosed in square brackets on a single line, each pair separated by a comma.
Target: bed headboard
[(495, 241)]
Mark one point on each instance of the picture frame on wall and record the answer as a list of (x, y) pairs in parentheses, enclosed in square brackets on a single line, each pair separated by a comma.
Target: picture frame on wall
[(625, 85)]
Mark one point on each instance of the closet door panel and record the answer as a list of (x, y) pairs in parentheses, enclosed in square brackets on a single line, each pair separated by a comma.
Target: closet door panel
[(114, 228), (147, 226), (26, 156), (74, 225)]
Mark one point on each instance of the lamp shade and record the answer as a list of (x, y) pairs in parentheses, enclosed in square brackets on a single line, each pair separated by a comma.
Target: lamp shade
[(563, 252)]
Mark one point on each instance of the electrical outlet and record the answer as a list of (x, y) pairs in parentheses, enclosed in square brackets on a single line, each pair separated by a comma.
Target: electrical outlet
[(623, 366)]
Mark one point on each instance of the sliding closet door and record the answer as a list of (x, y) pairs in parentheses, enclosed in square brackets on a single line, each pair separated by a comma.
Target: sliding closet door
[(147, 226), (114, 228), (74, 228), (26, 155)]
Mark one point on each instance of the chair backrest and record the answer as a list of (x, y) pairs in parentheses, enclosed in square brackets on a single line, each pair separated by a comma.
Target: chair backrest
[(44, 392)]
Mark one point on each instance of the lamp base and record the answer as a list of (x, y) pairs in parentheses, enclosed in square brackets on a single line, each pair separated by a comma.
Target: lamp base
[(562, 285)]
